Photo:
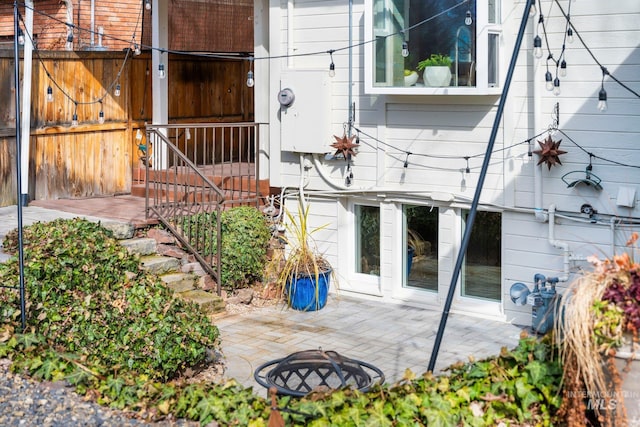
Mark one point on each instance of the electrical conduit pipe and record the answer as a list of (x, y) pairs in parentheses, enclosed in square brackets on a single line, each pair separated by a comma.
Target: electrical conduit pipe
[(559, 244)]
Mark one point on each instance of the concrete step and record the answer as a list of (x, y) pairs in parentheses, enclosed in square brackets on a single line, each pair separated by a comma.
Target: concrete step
[(209, 303), (180, 282), (158, 264), (140, 245)]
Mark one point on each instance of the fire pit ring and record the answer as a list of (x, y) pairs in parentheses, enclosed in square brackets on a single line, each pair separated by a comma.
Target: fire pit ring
[(311, 370)]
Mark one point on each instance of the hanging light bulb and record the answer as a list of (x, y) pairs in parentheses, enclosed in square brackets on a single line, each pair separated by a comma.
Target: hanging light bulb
[(467, 19), (602, 100), (548, 78), (250, 81), (563, 68), (101, 117), (49, 94), (116, 92), (20, 37), (405, 49), (187, 134), (74, 119), (161, 72), (139, 135), (532, 9), (570, 35), (332, 66), (69, 44), (556, 86), (147, 4), (136, 50), (537, 47)]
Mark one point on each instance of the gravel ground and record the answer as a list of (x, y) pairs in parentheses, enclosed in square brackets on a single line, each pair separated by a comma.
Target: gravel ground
[(24, 402)]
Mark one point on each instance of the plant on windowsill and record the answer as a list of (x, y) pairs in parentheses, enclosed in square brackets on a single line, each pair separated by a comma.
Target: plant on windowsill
[(436, 70), (302, 273), (410, 77), (598, 340)]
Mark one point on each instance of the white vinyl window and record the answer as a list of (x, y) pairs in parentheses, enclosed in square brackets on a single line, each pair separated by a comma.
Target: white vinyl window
[(461, 37)]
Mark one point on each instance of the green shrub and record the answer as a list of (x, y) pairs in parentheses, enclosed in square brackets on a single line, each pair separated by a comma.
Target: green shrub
[(245, 237), (86, 295)]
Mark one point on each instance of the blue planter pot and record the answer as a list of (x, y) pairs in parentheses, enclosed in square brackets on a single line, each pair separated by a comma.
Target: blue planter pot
[(302, 294)]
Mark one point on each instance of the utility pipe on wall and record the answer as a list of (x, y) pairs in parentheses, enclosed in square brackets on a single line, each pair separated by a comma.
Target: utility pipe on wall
[(559, 244)]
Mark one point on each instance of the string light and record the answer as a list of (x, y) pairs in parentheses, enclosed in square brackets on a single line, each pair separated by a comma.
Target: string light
[(250, 80), (570, 35), (467, 19), (467, 169), (74, 118), (49, 94), (563, 68), (332, 66), (147, 4), (161, 73), (556, 86), (548, 78), (537, 47), (69, 44), (101, 114), (20, 37), (405, 47), (116, 92), (532, 9), (136, 50), (602, 95)]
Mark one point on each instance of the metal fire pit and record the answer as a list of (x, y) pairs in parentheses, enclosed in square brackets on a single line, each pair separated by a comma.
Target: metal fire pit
[(312, 370)]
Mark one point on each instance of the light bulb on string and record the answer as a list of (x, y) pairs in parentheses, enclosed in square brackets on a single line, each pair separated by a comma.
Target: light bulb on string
[(147, 4), (332, 66), (405, 49), (116, 92), (49, 94), (250, 79), (161, 73), (537, 47), (532, 9), (467, 19), (563, 68), (570, 35), (20, 37), (136, 50), (69, 44), (101, 117), (556, 86), (74, 118), (602, 100), (548, 78)]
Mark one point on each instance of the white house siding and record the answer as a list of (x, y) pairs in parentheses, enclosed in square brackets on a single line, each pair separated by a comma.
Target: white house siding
[(442, 125)]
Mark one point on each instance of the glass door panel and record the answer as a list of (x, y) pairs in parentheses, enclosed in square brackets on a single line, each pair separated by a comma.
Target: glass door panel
[(421, 236)]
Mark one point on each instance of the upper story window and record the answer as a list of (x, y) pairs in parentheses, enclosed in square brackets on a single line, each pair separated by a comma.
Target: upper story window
[(432, 47)]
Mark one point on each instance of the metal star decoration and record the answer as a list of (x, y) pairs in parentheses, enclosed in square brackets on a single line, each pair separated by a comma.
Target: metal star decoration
[(550, 152), (344, 145)]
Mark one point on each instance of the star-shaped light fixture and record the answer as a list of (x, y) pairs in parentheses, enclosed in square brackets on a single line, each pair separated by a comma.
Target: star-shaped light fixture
[(344, 145), (550, 152)]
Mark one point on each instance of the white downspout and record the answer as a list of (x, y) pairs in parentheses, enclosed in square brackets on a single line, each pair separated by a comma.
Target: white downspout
[(559, 244), (537, 124), (25, 123)]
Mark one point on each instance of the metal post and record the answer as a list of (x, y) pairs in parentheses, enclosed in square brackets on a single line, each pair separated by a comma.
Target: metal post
[(476, 198), (16, 54)]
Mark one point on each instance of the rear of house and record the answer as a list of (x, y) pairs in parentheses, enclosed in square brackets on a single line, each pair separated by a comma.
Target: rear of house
[(562, 181)]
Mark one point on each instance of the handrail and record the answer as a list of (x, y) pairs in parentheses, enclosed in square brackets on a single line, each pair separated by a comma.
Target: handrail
[(195, 171)]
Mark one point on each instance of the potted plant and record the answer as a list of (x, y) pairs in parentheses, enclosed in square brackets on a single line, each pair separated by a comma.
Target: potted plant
[(436, 70), (410, 77), (598, 340), (303, 273)]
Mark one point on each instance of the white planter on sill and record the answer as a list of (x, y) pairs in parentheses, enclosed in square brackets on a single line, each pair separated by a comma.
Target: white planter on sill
[(437, 76)]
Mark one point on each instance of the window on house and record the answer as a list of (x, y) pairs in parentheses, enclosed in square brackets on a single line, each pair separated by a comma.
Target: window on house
[(367, 239), (481, 275), (451, 33), (421, 231)]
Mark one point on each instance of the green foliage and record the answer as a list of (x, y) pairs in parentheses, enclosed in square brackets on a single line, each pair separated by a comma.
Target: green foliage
[(435, 60), (86, 295), (245, 237)]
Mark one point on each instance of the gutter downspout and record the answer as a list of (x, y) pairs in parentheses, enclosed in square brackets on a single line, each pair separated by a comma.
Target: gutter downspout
[(537, 121), (290, 33), (25, 122), (350, 99), (559, 244)]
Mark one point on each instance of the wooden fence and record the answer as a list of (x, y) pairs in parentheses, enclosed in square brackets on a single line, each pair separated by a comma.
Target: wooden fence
[(96, 159)]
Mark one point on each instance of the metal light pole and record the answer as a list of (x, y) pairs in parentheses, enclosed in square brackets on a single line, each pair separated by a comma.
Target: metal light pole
[(476, 198), (16, 53)]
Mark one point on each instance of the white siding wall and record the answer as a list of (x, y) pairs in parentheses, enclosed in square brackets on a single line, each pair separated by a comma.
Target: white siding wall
[(449, 126)]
